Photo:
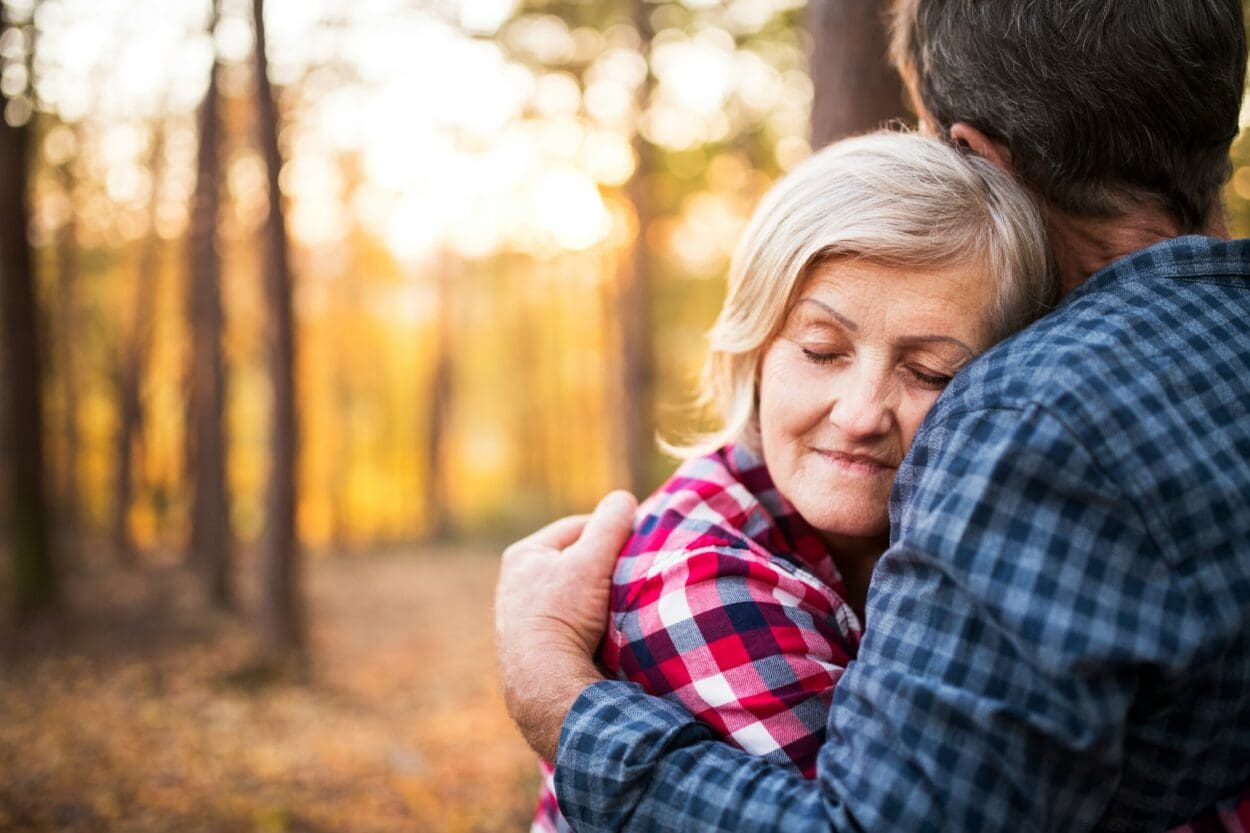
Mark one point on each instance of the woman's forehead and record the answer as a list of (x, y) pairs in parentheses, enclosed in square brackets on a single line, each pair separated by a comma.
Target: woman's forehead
[(860, 295)]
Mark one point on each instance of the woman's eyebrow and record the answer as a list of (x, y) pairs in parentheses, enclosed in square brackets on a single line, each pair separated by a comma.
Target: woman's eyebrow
[(908, 341), (839, 317), (911, 341)]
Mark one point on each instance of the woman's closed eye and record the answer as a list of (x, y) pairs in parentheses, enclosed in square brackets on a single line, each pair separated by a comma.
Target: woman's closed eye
[(821, 355), (936, 381)]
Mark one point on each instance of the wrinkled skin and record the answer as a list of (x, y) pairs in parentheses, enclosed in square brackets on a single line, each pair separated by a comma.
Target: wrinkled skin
[(551, 606)]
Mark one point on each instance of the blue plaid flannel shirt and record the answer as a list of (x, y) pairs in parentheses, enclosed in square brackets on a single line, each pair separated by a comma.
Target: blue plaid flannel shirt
[(1058, 638)]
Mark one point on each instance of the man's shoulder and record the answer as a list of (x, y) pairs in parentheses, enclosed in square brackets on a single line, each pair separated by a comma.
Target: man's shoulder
[(1148, 326), (1140, 380)]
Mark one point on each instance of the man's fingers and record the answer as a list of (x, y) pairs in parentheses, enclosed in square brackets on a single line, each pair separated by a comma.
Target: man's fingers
[(557, 534), (607, 530)]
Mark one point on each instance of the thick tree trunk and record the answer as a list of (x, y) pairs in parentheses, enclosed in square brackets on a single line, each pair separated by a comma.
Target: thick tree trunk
[(34, 580), (134, 362), (210, 521), (281, 603), (855, 88), (637, 425)]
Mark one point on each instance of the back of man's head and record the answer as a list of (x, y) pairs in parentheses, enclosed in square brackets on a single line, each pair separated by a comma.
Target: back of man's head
[(1101, 103)]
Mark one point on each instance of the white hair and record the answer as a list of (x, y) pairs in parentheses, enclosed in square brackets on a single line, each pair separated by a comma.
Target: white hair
[(889, 197)]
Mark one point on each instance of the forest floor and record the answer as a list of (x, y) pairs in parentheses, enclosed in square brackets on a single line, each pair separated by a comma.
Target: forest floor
[(140, 714)]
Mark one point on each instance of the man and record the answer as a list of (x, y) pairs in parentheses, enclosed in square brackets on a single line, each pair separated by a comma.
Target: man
[(1059, 635)]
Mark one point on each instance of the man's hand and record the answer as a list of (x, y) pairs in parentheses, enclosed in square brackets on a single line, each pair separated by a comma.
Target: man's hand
[(551, 607)]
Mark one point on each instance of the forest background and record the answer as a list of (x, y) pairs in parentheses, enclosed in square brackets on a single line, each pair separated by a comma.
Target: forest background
[(307, 307)]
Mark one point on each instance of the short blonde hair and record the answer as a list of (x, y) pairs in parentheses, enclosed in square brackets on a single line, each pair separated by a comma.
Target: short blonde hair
[(894, 198)]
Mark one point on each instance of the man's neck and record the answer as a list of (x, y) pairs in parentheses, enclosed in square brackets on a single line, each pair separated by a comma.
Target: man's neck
[(1084, 245)]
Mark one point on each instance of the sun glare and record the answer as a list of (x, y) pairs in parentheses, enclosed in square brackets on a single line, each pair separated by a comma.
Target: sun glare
[(569, 208), (461, 122)]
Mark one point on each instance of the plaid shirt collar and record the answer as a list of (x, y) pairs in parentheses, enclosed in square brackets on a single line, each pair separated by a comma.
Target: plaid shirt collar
[(788, 536)]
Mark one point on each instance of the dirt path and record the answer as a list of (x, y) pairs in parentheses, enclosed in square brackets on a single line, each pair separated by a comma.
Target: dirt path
[(135, 723)]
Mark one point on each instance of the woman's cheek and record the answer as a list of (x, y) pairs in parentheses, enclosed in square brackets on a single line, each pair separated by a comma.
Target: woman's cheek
[(913, 413)]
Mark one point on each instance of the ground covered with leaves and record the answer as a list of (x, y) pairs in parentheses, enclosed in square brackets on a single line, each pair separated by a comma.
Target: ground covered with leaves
[(143, 713)]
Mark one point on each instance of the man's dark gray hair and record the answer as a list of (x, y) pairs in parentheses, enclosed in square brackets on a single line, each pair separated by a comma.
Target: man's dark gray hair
[(1101, 103)]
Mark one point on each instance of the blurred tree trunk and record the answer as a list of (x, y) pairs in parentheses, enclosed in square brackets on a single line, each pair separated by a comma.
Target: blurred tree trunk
[(342, 433), (281, 604), (530, 392), (134, 363), (347, 302), (855, 88), (637, 425), (438, 403), (35, 587), (210, 521), (66, 328), (342, 539)]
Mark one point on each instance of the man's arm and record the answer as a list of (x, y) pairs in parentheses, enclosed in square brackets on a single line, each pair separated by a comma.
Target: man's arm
[(992, 687), (551, 604), (630, 761)]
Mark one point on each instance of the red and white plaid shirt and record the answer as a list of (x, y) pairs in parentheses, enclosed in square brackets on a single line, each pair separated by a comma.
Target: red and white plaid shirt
[(727, 602)]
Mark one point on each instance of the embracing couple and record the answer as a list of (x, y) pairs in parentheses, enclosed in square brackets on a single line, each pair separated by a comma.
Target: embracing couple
[(972, 548)]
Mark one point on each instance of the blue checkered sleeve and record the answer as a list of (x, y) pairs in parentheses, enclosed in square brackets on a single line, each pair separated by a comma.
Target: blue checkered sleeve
[(628, 761), (989, 687)]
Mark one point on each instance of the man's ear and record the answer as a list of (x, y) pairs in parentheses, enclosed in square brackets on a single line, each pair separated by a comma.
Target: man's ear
[(964, 135)]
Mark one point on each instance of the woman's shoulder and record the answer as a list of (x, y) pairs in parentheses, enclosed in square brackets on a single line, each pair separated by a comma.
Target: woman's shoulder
[(708, 501), (723, 501), (707, 546)]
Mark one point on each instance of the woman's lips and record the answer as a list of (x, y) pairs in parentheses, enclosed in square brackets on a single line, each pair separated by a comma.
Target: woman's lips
[(860, 464)]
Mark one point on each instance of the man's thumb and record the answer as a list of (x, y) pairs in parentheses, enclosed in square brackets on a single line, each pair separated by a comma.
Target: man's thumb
[(608, 529)]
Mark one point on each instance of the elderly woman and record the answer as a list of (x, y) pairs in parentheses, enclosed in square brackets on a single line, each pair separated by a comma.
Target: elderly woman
[(868, 277)]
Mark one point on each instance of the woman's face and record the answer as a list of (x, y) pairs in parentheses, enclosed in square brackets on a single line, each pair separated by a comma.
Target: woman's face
[(862, 356)]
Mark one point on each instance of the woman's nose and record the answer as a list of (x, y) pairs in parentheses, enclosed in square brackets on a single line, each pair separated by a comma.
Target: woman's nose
[(862, 408)]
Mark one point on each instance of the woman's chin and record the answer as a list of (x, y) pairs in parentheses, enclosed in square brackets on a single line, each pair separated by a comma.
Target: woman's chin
[(848, 522)]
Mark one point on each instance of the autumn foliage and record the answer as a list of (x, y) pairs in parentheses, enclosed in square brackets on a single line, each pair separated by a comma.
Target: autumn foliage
[(146, 716)]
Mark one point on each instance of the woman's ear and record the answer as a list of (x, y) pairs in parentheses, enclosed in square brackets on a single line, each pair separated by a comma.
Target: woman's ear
[(967, 137)]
